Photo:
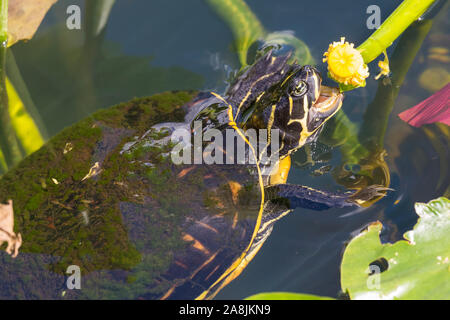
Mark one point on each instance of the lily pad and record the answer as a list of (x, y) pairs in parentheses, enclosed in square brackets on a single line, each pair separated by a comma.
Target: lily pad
[(415, 268), (286, 296)]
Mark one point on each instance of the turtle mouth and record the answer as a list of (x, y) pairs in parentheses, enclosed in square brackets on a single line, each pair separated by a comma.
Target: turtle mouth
[(329, 102)]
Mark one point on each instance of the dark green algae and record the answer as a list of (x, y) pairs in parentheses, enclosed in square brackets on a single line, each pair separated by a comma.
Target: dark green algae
[(50, 217)]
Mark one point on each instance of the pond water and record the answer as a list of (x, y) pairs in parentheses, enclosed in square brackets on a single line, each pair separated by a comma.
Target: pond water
[(155, 46)]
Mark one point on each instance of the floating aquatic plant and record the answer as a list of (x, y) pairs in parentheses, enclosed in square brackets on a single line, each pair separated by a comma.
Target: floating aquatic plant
[(414, 268), (377, 271)]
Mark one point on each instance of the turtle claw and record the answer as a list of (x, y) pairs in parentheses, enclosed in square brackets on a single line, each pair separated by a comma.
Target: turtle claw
[(369, 193)]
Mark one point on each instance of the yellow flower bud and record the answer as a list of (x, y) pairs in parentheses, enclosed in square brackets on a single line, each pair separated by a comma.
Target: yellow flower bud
[(345, 64)]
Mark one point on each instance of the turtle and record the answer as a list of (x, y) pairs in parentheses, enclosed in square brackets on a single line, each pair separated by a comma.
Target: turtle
[(107, 198)]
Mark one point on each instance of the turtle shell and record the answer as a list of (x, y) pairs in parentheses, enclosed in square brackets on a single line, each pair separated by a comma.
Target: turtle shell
[(137, 225)]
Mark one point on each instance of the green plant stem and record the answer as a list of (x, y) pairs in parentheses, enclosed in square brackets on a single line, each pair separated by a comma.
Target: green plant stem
[(244, 25), (406, 13), (247, 29), (14, 75), (8, 141), (97, 14), (372, 132), (342, 132)]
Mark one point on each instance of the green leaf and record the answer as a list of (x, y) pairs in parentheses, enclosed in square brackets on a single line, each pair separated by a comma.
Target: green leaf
[(285, 296), (415, 268)]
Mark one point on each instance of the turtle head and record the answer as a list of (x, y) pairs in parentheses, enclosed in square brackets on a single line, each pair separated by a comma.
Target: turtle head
[(274, 94), (301, 105)]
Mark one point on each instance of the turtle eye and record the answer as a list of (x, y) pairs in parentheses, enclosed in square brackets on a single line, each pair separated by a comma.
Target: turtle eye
[(300, 89)]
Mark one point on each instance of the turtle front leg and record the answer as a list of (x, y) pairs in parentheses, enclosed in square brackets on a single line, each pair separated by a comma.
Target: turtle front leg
[(293, 196)]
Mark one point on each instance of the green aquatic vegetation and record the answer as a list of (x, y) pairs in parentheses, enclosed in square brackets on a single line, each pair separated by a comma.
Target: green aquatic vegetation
[(406, 13), (97, 15), (243, 23), (247, 29), (9, 146), (415, 268), (286, 296)]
